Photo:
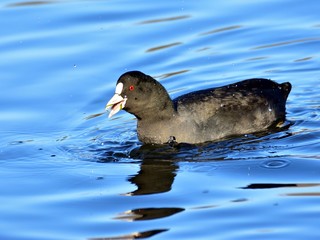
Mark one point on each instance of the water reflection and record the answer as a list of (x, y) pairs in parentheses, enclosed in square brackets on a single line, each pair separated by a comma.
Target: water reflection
[(161, 47), (156, 174), (287, 43), (296, 186), (170, 74), (269, 185), (304, 194), (165, 19), (256, 58), (148, 213), (218, 30), (303, 59), (136, 235), (28, 3), (279, 185)]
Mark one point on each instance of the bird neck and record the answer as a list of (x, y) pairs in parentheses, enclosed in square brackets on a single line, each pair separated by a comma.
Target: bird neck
[(161, 110)]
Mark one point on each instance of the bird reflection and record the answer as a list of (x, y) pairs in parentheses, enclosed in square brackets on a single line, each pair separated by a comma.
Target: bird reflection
[(155, 176), (159, 165), (156, 173)]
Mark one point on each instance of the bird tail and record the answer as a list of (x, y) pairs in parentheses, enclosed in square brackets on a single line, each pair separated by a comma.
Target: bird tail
[(286, 88)]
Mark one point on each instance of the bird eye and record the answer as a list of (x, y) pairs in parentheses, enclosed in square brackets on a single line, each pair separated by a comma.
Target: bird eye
[(131, 88)]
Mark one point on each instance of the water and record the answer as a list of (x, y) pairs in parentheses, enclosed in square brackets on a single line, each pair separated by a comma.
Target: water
[(67, 172)]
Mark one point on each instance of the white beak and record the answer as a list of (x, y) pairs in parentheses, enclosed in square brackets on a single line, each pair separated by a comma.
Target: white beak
[(116, 103)]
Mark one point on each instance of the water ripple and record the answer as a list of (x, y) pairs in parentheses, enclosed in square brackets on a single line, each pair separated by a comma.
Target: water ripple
[(161, 47), (315, 39), (29, 3), (218, 30), (64, 176), (273, 164), (165, 19)]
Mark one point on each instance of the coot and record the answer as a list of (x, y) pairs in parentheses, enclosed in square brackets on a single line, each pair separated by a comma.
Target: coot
[(244, 107)]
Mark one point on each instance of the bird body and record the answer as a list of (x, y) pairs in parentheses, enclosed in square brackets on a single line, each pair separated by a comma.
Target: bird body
[(244, 107)]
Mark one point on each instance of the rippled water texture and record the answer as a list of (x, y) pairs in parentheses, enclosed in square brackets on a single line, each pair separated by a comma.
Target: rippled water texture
[(69, 172)]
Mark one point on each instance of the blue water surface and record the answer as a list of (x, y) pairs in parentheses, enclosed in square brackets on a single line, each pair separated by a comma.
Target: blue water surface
[(69, 172)]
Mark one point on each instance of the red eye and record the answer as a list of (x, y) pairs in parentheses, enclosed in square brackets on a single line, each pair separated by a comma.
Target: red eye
[(131, 88)]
